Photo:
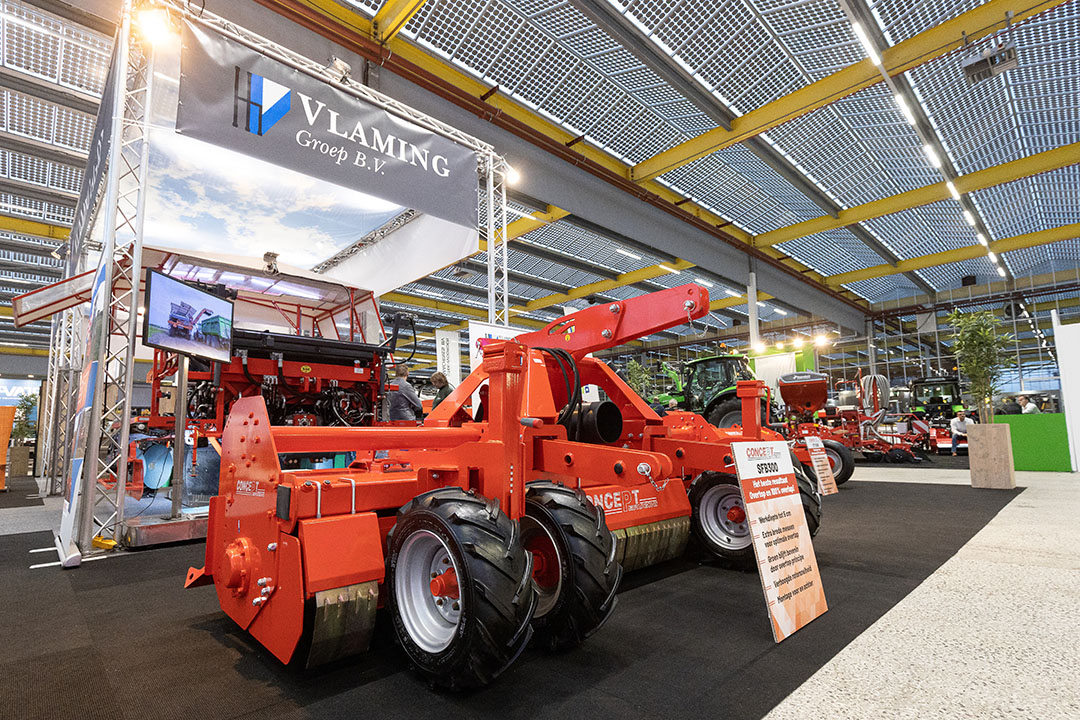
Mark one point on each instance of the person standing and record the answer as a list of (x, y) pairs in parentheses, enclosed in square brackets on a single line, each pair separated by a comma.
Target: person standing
[(404, 402), (442, 385), (1028, 407), (959, 426)]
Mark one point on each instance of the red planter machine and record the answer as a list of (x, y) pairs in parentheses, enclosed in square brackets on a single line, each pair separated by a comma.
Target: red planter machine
[(477, 532)]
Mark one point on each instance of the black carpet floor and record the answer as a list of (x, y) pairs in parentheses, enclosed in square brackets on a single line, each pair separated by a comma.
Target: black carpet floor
[(18, 488), (120, 638)]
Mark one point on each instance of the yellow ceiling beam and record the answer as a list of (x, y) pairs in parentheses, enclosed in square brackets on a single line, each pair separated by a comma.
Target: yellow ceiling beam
[(627, 278), (927, 45), (1017, 242), (503, 105), (392, 17), (24, 226), (39, 352), (979, 180)]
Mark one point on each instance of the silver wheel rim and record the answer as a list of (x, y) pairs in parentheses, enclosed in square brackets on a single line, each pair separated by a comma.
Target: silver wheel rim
[(720, 529), (834, 460), (431, 622), (546, 597)]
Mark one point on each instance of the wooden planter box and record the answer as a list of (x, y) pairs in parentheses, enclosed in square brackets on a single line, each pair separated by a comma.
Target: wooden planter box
[(19, 460), (990, 457)]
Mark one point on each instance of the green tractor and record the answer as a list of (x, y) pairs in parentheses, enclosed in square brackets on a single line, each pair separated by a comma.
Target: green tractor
[(707, 387), (937, 398)]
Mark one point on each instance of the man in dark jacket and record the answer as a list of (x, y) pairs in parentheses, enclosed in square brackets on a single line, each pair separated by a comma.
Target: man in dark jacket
[(404, 402)]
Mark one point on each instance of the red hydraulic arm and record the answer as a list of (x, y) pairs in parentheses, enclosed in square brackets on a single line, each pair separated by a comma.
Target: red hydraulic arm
[(605, 326)]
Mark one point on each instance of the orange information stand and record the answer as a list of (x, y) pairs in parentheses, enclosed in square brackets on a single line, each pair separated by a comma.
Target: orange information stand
[(785, 555), (7, 419)]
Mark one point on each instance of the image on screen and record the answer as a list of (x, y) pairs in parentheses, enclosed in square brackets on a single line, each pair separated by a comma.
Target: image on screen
[(186, 320)]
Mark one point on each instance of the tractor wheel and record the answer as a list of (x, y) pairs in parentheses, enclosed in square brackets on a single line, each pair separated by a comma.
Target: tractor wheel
[(811, 502), (460, 587), (729, 413), (841, 460), (574, 567), (718, 516), (718, 519)]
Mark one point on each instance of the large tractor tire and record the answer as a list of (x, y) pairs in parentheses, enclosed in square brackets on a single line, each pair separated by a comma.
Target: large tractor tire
[(726, 414), (811, 502), (729, 413), (574, 567), (718, 516), (841, 460), (460, 587)]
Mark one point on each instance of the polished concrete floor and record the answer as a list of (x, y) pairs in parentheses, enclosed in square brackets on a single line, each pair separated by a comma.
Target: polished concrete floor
[(991, 632)]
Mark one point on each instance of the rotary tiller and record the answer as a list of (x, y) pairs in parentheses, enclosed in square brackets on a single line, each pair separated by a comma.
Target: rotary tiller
[(487, 526)]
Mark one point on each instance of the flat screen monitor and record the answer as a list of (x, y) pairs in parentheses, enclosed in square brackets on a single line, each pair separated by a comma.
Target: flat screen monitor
[(183, 319)]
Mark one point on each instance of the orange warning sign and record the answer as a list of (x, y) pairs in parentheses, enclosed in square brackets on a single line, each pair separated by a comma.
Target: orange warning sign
[(786, 562)]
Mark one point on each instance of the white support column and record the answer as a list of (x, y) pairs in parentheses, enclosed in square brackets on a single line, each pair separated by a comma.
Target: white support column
[(752, 308)]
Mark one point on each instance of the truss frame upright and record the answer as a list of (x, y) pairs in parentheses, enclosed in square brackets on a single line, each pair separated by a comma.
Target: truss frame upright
[(105, 471)]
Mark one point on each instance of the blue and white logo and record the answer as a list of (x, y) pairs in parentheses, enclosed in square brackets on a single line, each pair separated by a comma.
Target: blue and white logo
[(259, 101)]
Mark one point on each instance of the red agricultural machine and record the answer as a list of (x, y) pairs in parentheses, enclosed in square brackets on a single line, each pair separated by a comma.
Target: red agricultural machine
[(844, 431), (342, 387), (488, 526)]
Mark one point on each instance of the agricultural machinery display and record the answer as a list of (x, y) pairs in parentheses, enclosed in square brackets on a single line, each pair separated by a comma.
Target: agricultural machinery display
[(504, 519), (707, 387), (934, 402), (344, 387), (845, 431)]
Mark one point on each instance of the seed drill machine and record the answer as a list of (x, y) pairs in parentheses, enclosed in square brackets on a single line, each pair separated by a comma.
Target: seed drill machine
[(511, 515)]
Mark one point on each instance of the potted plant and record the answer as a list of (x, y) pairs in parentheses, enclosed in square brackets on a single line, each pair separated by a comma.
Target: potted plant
[(982, 354)]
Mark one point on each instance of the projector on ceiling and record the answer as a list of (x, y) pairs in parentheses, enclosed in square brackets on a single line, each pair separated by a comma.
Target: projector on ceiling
[(993, 60)]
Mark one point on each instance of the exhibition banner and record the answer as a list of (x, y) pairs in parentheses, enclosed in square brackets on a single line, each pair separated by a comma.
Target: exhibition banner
[(822, 467), (481, 333), (96, 163), (448, 355), (787, 565), (235, 97)]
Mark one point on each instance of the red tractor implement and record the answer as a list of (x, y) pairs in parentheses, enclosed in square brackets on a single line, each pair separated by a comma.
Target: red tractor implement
[(488, 525), (844, 431)]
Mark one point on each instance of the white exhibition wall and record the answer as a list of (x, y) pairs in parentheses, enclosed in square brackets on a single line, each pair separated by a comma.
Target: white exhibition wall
[(1067, 344)]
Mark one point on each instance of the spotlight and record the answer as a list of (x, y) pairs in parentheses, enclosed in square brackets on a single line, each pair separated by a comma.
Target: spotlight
[(797, 342), (513, 177), (820, 340), (759, 347), (341, 69), (154, 25), (780, 345)]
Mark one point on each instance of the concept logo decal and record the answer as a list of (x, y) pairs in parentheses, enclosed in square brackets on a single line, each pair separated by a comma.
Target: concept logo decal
[(258, 101)]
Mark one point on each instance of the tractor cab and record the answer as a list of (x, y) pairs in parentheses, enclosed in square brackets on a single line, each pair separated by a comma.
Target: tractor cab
[(937, 398), (709, 387)]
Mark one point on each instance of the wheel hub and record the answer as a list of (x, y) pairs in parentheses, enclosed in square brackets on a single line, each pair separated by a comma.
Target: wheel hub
[(446, 585), (736, 514)]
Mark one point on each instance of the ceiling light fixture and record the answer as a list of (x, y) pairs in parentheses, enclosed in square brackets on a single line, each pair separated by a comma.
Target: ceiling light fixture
[(703, 281), (673, 271), (867, 45), (952, 190), (627, 253), (932, 156), (969, 218), (982, 239), (905, 109)]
